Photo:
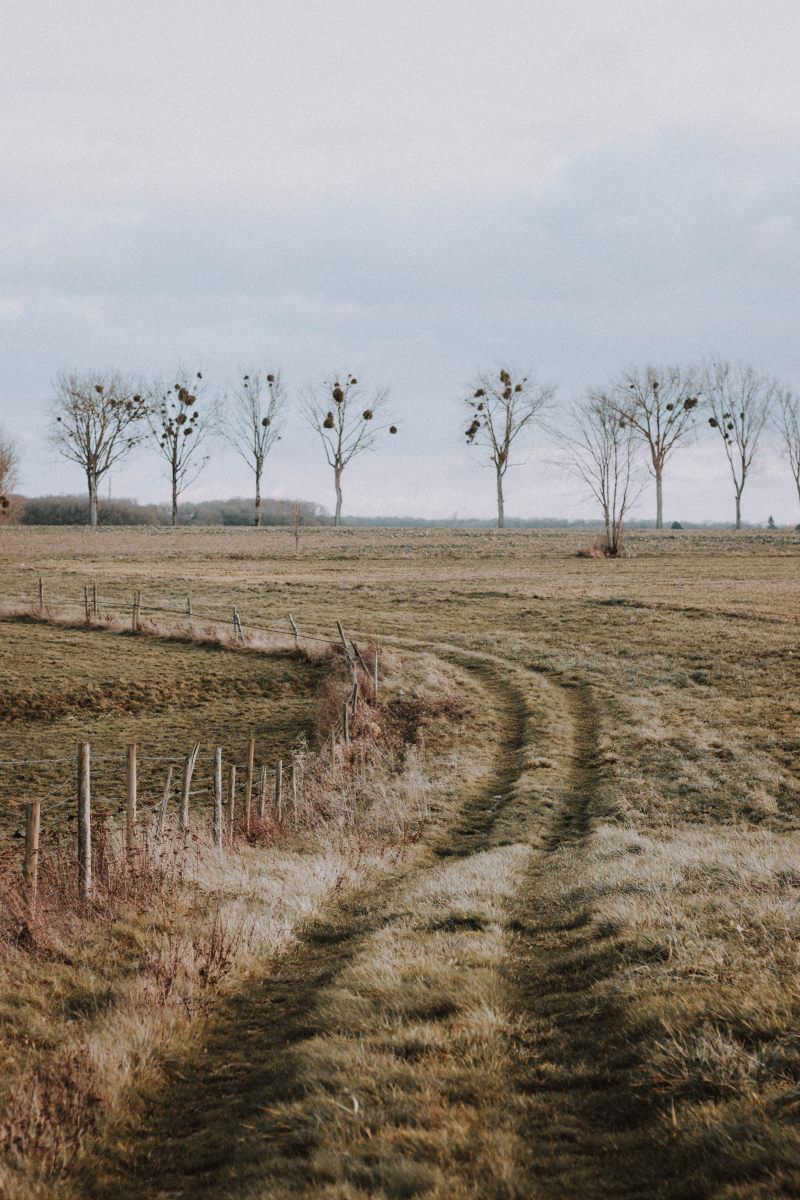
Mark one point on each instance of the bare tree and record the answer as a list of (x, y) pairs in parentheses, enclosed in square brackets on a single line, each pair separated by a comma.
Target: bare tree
[(502, 407), (252, 423), (788, 425), (96, 419), (179, 428), (659, 404), (344, 426), (9, 464), (602, 454), (741, 401)]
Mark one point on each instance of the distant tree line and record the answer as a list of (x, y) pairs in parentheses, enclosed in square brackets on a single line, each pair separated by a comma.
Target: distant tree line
[(74, 510), (609, 438)]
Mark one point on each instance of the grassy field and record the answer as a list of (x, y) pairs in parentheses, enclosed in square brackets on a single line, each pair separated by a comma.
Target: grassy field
[(549, 944)]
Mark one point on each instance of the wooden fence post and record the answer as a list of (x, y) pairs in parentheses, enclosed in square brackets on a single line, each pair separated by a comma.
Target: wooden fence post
[(231, 800), (94, 601), (345, 724), (345, 646), (162, 816), (262, 791), (188, 771), (218, 798), (86, 601), (237, 624), (33, 820), (189, 612), (359, 659), (130, 802), (41, 597), (248, 790), (84, 820), (279, 790), (294, 627)]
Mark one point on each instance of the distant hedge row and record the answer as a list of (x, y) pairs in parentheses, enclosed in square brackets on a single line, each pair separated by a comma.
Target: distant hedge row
[(74, 510)]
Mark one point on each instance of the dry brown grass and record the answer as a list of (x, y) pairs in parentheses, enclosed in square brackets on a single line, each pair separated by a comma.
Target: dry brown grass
[(549, 945)]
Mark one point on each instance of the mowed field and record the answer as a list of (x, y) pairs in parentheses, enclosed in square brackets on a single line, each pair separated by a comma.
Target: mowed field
[(578, 976)]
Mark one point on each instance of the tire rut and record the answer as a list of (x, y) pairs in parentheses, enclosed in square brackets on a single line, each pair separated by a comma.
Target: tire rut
[(572, 824), (189, 1141)]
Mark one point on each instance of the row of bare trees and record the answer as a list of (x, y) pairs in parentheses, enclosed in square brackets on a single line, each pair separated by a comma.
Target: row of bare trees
[(608, 435), (609, 438), (99, 418)]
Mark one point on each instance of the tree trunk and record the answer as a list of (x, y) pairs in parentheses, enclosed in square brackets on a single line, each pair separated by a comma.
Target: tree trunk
[(257, 517), (174, 498), (501, 516), (739, 510), (92, 481), (337, 520), (659, 500)]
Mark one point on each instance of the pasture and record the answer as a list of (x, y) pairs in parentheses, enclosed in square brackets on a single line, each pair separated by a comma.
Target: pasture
[(546, 941)]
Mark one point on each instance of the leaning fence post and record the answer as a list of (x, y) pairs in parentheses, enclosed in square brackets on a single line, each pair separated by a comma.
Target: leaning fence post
[(231, 800), (84, 820), (345, 724), (296, 630), (248, 791), (33, 818), (188, 771), (218, 798), (279, 790), (130, 801)]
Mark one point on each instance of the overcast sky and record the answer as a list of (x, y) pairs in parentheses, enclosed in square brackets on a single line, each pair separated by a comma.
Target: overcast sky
[(409, 191)]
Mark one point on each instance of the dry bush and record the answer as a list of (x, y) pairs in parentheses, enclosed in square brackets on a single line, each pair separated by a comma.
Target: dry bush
[(600, 548), (51, 1111)]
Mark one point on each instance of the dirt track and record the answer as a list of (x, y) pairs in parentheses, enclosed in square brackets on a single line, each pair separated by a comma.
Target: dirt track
[(426, 1036)]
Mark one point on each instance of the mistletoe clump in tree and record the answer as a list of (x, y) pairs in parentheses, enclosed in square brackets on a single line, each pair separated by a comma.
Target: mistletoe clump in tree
[(502, 406), (179, 428), (345, 428)]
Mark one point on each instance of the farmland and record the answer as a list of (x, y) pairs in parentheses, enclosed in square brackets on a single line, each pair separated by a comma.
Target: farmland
[(555, 953)]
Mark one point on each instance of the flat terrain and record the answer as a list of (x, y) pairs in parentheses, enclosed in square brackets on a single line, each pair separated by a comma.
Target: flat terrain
[(64, 685), (581, 978)]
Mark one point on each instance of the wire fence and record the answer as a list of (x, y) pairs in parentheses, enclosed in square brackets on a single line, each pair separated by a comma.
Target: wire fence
[(97, 607), (228, 788)]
